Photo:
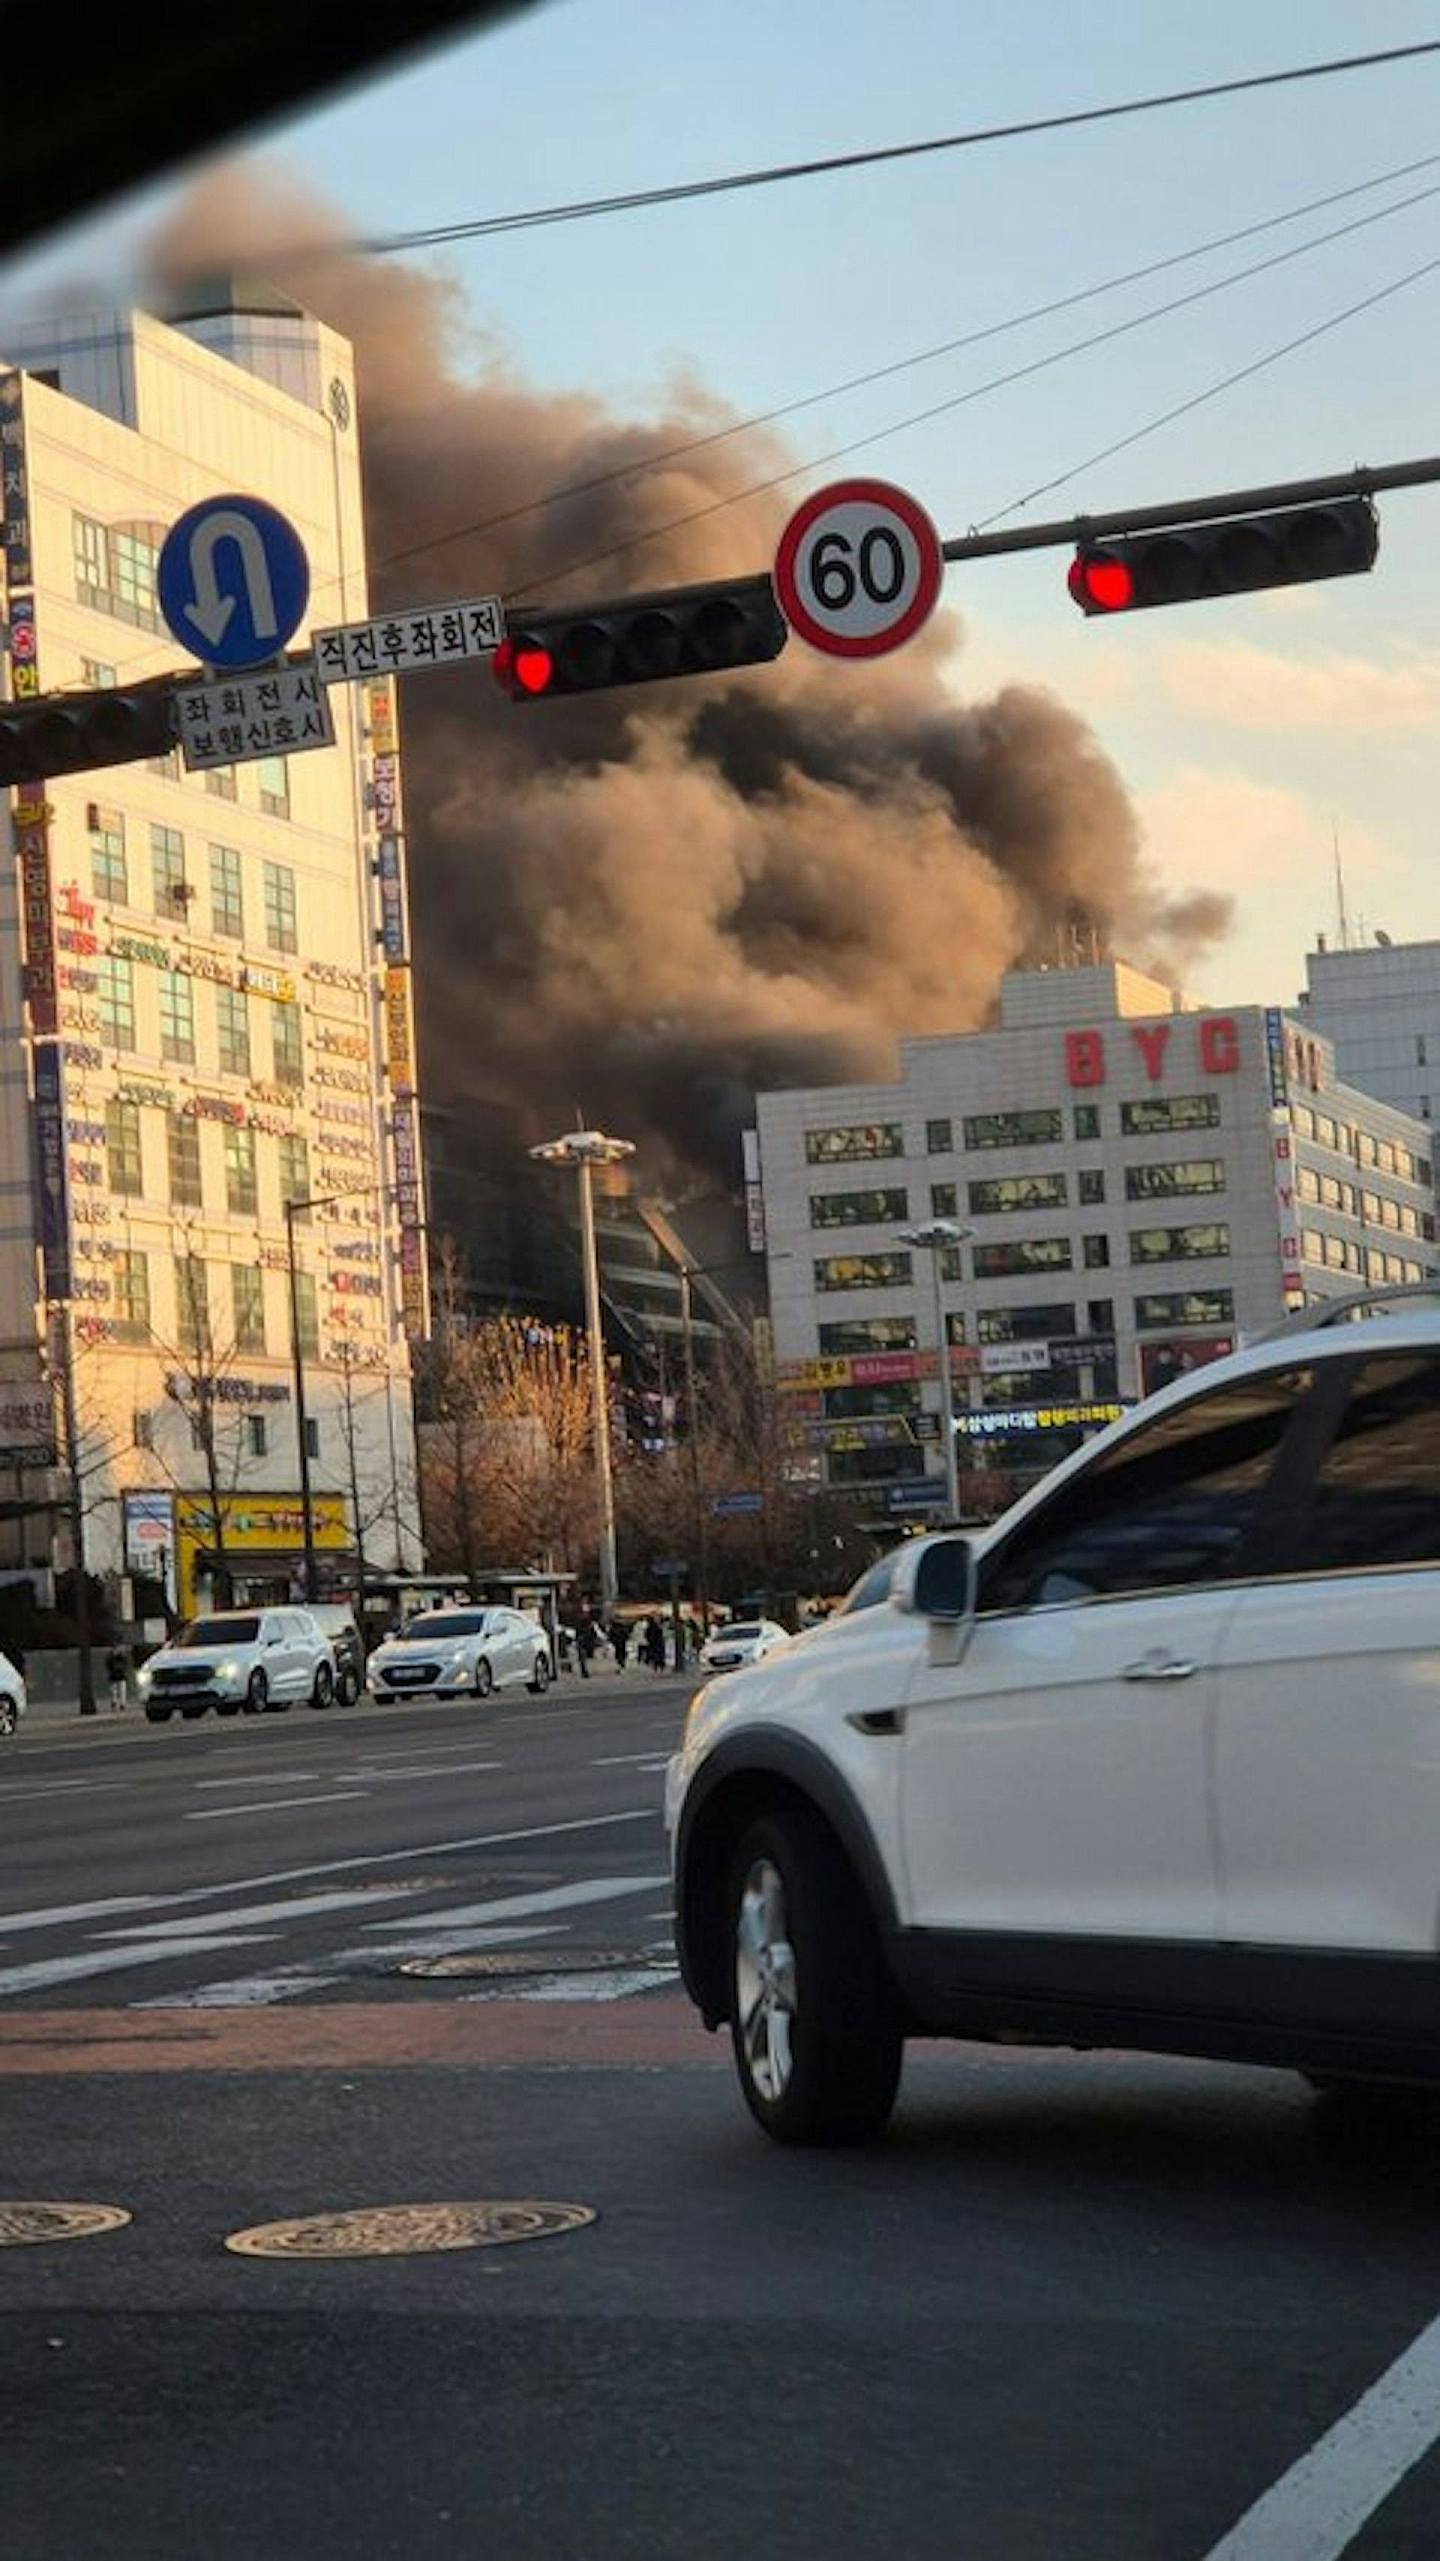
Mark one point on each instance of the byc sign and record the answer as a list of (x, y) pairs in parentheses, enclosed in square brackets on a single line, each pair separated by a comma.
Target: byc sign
[(1218, 1043)]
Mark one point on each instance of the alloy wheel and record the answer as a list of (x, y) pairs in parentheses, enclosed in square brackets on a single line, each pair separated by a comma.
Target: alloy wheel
[(765, 1980)]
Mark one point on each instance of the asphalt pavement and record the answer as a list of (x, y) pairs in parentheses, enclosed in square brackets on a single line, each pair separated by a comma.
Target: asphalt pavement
[(1076, 2308)]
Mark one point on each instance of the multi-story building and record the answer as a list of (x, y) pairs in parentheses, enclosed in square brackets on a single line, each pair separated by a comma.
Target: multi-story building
[(204, 994), (1143, 1182), (1378, 1004)]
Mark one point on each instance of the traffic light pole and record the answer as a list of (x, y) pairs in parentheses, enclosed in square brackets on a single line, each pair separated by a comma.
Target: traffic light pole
[(1359, 483)]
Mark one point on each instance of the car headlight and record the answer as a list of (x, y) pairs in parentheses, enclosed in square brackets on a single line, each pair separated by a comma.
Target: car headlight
[(227, 1671), (142, 1677)]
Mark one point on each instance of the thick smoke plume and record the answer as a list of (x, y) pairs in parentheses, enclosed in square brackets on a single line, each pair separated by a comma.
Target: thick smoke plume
[(655, 902)]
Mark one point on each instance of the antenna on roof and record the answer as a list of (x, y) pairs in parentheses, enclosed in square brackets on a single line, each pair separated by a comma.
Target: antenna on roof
[(1340, 889)]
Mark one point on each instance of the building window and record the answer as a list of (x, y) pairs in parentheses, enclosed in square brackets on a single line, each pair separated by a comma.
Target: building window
[(247, 1298), (183, 1144), (177, 1016), (280, 933), (227, 906), (944, 1200), (1179, 1244), (1087, 1120), (288, 1044), (109, 876), (142, 1429), (1156, 1114), (1171, 1181), (294, 1172), (850, 1146), (257, 1439), (869, 1334), (167, 871), (132, 567), (893, 1396), (1022, 1254), (122, 1149), (1101, 1315), (862, 1271), (115, 1000), (939, 1138), (131, 1285), (1026, 1324), (170, 765), (1092, 1186), (312, 1437), (274, 775), (241, 1193), (309, 1318), (1014, 1129), (98, 674), (92, 561), (1097, 1253), (859, 1209), (220, 782), (192, 1303), (1161, 1308), (1307, 1184), (1009, 1193), (1420, 1058), (232, 1016)]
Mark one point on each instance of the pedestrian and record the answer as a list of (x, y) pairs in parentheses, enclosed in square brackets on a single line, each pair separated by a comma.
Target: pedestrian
[(620, 1639), (117, 1666), (654, 1644), (578, 1633)]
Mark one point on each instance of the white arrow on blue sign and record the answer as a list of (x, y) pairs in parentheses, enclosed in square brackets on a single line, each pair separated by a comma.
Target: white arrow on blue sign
[(233, 581)]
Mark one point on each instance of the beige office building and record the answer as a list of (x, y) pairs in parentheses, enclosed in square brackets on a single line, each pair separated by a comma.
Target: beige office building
[(204, 996)]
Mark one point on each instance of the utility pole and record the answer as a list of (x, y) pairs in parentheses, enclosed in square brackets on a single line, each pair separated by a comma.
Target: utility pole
[(692, 1435), (938, 1237), (585, 1149), (62, 1336), (302, 1423)]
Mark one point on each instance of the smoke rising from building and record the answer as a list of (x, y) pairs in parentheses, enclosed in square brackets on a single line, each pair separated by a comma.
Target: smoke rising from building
[(654, 901)]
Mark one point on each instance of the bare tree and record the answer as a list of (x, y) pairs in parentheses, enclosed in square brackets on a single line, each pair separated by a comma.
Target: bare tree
[(198, 1372), (505, 1451), (368, 1506)]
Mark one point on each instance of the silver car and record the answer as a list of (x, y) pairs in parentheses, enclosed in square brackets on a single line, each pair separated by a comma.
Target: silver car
[(447, 1653)]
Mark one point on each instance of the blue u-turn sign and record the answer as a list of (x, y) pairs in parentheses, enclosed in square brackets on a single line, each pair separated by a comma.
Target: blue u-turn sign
[(233, 581)]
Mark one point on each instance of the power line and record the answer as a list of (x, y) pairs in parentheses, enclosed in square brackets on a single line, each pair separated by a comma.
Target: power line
[(998, 382), (488, 225), (1213, 390), (881, 373)]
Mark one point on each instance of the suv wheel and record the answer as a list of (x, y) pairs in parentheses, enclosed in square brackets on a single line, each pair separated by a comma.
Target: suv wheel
[(814, 2023), (347, 1685), (324, 1689), (484, 1678), (9, 1716), (257, 1693), (540, 1677)]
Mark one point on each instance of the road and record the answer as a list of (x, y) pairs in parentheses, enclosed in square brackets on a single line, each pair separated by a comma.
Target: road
[(1078, 2308)]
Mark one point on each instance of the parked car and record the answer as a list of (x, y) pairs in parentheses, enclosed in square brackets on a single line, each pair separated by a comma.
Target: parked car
[(447, 1652), (1152, 1762), (336, 1620), (250, 1659), (743, 1641), (13, 1700)]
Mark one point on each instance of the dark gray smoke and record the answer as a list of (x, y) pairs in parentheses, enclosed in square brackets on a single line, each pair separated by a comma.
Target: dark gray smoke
[(656, 902)]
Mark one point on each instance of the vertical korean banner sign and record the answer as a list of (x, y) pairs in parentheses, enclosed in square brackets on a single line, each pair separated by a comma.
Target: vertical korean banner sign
[(398, 1014)]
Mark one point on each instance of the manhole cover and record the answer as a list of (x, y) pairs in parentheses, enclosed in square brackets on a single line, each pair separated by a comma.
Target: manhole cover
[(498, 1962), (23, 2221), (396, 2231)]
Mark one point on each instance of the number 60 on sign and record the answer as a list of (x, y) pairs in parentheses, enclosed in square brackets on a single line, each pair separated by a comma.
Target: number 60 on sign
[(858, 569)]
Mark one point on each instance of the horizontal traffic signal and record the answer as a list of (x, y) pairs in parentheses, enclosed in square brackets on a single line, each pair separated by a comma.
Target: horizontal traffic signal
[(1232, 557), (78, 733), (680, 631)]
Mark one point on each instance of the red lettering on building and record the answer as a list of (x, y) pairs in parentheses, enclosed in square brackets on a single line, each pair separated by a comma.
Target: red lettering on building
[(1084, 1058), (1150, 1040), (1220, 1045)]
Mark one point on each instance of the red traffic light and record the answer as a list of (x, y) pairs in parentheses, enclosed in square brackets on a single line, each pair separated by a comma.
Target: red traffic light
[(523, 666), (1101, 582)]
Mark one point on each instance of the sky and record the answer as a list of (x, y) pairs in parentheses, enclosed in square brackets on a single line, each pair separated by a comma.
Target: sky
[(1254, 733)]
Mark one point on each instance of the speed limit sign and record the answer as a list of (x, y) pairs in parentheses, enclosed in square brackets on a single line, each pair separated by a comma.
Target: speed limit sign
[(858, 569)]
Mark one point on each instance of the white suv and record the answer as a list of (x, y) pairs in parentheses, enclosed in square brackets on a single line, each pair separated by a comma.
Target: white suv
[(1153, 1762), (250, 1659)]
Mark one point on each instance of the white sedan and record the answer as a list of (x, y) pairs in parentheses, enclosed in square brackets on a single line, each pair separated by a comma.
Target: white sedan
[(12, 1696), (743, 1641), (445, 1653)]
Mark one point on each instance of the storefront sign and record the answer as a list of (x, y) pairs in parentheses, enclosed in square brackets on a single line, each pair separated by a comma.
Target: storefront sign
[(1216, 1039), (53, 1201), (997, 1421), (1011, 1360), (15, 495), (1275, 1056), (1287, 1216), (32, 847), (1162, 1363), (24, 649), (399, 1044), (380, 715)]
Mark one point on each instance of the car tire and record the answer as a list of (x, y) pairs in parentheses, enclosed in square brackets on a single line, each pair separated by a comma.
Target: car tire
[(347, 1686), (257, 1693), (540, 1677), (193, 1713), (227, 1707), (9, 1715), (814, 2022), (324, 1688), (158, 1715), (484, 1681)]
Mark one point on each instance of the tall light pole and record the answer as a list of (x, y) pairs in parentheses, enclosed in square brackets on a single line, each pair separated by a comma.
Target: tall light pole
[(296, 1209), (938, 1237), (585, 1149)]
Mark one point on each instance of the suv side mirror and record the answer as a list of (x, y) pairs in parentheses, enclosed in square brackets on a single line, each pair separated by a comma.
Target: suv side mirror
[(935, 1579)]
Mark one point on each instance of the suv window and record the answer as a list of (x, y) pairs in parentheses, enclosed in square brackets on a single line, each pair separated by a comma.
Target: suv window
[(872, 1588), (1172, 1506), (1377, 1493)]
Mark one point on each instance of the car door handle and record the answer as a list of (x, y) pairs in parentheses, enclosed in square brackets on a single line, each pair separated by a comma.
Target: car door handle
[(1160, 1667)]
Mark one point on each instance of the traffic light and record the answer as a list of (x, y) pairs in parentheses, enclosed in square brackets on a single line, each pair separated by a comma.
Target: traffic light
[(1228, 558), (55, 734), (679, 631)]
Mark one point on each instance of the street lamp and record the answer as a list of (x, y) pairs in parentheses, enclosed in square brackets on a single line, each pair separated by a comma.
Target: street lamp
[(938, 1237), (293, 1209), (585, 1149)]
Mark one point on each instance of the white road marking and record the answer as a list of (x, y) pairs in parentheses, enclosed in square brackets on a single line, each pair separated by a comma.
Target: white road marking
[(56, 1915), (251, 1778), (275, 1805), (384, 1778), (243, 1991), (26, 1795), (623, 1760), (295, 1907), (513, 1907), (1316, 2509), (48, 1971), (618, 1983)]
